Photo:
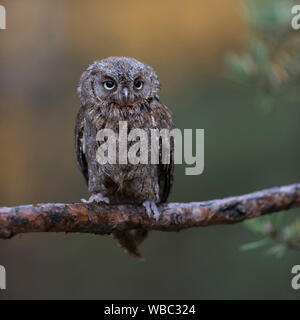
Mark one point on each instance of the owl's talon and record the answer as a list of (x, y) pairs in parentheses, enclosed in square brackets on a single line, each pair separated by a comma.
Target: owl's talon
[(98, 197), (151, 208), (147, 206), (155, 211)]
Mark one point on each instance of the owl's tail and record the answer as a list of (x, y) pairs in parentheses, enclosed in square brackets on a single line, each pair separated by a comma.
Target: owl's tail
[(130, 240)]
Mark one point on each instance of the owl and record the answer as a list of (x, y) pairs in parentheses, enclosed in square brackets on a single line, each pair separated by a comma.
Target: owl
[(122, 89)]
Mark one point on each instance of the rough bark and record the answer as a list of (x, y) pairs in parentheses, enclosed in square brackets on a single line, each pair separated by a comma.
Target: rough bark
[(99, 218)]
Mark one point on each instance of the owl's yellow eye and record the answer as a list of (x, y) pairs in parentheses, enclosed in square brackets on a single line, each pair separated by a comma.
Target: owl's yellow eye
[(109, 84), (138, 84)]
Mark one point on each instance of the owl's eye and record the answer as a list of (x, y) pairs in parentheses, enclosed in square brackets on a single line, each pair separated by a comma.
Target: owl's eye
[(109, 84), (138, 84)]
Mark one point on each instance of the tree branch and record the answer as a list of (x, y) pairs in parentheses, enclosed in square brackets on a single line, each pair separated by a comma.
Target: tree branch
[(104, 219)]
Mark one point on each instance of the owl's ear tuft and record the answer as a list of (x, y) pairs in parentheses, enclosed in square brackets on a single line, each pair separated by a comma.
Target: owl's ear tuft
[(85, 87), (154, 80)]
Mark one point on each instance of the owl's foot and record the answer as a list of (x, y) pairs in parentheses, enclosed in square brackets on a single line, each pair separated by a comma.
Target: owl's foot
[(97, 197), (151, 207)]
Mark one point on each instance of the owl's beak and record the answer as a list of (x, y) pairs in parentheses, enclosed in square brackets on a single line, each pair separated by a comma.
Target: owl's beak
[(125, 95)]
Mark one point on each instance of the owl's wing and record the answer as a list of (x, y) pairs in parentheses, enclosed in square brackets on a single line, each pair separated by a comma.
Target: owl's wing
[(80, 144), (163, 119), (166, 173)]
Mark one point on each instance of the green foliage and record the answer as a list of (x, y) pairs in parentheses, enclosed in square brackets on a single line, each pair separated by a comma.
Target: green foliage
[(275, 232), (271, 64), (255, 244), (271, 59), (270, 17)]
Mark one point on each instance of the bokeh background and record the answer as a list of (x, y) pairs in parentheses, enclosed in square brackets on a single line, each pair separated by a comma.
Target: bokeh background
[(46, 47)]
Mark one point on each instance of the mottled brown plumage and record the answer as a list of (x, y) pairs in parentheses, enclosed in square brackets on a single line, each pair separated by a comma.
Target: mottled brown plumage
[(122, 89)]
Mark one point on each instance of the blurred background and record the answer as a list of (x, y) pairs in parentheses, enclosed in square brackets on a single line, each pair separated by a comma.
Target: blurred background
[(46, 47)]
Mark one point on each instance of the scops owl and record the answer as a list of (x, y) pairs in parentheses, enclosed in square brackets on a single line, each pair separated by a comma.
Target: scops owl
[(122, 89)]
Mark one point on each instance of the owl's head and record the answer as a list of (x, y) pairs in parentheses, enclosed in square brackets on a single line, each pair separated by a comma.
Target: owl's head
[(120, 80)]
